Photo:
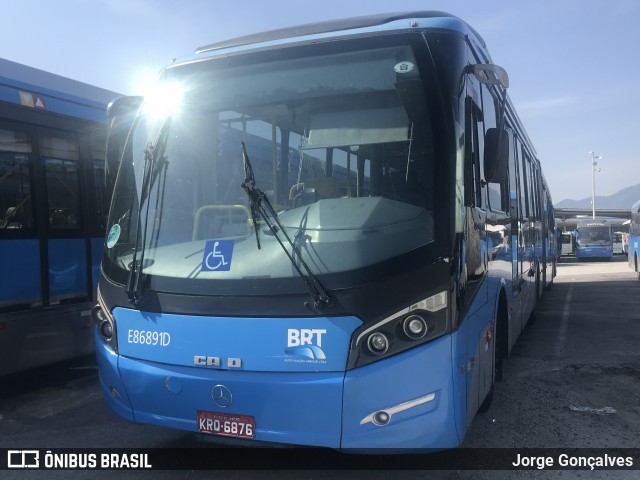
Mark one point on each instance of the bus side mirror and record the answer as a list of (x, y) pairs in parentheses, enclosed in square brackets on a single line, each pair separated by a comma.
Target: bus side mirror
[(496, 155), (489, 74)]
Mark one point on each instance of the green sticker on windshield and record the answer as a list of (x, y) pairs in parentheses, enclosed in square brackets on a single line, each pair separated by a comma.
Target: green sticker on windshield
[(114, 235), (404, 67)]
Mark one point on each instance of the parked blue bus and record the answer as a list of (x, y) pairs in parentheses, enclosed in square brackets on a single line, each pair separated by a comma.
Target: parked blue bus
[(594, 240), (327, 235), (52, 214), (633, 250)]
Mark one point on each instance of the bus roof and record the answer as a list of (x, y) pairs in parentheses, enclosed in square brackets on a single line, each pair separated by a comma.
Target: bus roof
[(348, 26), (34, 88)]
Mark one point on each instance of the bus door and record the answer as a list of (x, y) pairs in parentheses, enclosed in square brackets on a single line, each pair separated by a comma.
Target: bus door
[(44, 239), (519, 233), (45, 245), (65, 238), (538, 228), (475, 252), (528, 236), (475, 229), (20, 269), (549, 239)]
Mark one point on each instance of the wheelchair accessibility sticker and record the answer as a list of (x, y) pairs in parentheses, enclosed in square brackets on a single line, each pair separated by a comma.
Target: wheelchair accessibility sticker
[(217, 256)]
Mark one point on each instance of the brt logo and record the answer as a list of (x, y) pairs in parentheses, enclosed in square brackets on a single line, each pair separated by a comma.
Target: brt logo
[(306, 342)]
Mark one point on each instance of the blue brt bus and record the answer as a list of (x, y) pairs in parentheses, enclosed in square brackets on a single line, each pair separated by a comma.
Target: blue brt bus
[(633, 251), (594, 240), (52, 214), (326, 235)]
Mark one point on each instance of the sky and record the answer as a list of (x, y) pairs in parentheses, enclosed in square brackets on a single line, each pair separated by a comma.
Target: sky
[(573, 65)]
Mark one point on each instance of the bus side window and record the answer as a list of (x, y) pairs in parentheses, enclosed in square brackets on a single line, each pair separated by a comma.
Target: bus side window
[(477, 156), (524, 185), (16, 212), (535, 196), (61, 159), (512, 188)]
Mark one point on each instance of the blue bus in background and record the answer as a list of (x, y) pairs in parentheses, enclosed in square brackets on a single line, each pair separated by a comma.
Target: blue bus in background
[(52, 214), (633, 251), (327, 235), (594, 240)]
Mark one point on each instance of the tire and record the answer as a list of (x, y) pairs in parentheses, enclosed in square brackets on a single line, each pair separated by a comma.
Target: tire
[(497, 372), (500, 342)]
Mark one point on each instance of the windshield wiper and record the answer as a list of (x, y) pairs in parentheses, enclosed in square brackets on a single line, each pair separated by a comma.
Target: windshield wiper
[(154, 162), (261, 206)]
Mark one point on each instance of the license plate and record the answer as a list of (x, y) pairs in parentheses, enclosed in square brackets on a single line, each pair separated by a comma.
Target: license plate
[(226, 424)]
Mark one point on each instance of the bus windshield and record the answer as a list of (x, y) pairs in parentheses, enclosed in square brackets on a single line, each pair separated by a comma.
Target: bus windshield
[(340, 143), (594, 236)]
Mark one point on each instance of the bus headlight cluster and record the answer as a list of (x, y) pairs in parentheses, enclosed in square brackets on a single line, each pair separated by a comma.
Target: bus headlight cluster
[(414, 327), (421, 322), (105, 323)]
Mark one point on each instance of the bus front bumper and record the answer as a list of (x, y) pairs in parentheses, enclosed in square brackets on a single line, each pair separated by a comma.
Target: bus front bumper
[(411, 392)]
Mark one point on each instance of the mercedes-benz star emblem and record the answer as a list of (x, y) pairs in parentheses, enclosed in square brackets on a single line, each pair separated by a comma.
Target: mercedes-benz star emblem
[(222, 396)]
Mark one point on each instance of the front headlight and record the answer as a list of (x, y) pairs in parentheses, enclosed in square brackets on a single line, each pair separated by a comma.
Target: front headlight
[(378, 343), (105, 323), (415, 327), (419, 323)]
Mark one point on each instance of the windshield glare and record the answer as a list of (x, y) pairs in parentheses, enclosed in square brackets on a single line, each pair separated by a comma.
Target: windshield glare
[(341, 144)]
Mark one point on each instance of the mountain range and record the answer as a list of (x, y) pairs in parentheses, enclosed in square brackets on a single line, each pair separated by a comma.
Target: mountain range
[(622, 199)]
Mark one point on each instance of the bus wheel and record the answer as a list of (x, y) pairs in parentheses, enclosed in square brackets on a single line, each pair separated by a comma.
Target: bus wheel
[(500, 340), (497, 357), (497, 366)]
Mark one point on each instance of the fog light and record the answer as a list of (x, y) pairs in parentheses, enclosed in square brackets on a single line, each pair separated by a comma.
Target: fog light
[(381, 418), (415, 327), (98, 315), (378, 343), (114, 393), (106, 329)]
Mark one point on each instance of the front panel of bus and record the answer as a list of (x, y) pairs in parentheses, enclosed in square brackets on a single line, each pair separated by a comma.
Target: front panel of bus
[(594, 240), (353, 144)]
